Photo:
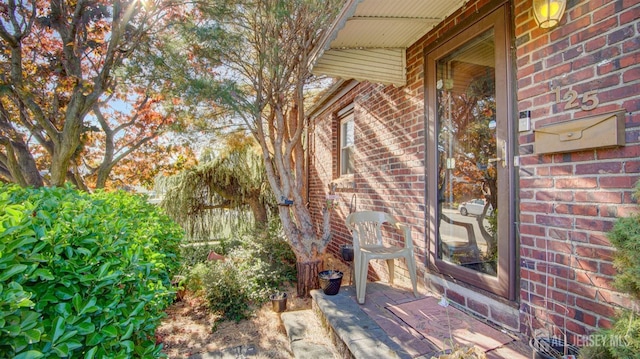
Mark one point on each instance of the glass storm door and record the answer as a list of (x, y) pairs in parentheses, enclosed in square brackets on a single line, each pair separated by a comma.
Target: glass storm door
[(468, 163)]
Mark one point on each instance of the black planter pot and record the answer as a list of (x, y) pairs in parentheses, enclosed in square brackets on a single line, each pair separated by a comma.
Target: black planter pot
[(346, 250), (551, 348), (330, 281), (278, 302)]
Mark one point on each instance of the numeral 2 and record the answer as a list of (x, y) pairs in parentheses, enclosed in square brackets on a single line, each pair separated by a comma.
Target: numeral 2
[(589, 99)]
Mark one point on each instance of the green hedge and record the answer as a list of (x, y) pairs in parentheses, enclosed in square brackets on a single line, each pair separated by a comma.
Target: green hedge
[(82, 275)]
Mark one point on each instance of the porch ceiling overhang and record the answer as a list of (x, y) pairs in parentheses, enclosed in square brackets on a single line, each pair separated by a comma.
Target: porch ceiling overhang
[(369, 38)]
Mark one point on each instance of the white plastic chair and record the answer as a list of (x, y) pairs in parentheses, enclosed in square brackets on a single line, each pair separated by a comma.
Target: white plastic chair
[(366, 227)]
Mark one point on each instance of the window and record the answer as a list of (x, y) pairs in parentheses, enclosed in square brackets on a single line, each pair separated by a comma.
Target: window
[(347, 142)]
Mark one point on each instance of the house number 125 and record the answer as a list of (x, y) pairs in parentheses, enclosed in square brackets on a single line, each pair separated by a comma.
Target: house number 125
[(589, 99)]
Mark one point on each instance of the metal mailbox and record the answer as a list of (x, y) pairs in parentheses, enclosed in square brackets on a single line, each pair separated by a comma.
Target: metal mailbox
[(598, 131)]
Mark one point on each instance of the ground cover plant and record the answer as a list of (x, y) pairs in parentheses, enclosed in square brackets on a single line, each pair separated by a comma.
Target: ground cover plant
[(257, 263), (82, 275), (191, 328)]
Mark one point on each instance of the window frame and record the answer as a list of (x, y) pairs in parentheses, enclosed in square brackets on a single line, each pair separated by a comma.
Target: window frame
[(344, 116)]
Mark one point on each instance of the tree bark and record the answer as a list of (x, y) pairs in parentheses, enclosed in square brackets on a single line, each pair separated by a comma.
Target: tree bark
[(259, 211), (17, 159), (28, 165), (69, 141), (308, 276)]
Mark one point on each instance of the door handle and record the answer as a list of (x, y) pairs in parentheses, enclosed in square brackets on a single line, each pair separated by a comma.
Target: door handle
[(503, 153)]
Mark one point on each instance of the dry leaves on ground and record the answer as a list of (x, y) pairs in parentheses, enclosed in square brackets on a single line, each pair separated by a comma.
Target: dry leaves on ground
[(189, 329)]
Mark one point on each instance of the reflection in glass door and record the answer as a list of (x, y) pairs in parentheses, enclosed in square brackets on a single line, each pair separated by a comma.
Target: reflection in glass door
[(470, 190), (467, 160)]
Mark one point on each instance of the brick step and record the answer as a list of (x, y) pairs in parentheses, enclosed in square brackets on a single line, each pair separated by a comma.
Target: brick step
[(353, 332), (307, 339)]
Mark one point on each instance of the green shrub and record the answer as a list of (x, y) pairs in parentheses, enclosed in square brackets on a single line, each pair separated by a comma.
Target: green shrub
[(226, 290), (623, 339), (626, 327), (595, 352), (625, 236), (256, 265), (82, 275), (194, 276), (266, 262), (194, 254)]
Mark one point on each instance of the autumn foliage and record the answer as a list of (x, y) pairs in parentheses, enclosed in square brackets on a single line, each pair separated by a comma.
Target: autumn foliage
[(79, 101)]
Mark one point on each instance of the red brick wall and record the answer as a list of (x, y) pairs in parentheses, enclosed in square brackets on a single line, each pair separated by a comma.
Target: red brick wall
[(567, 201), (389, 170)]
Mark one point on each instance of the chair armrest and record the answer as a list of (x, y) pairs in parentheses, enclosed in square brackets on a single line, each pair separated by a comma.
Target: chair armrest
[(406, 232)]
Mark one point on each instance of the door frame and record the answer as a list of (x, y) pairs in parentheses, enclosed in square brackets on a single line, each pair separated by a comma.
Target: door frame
[(498, 17)]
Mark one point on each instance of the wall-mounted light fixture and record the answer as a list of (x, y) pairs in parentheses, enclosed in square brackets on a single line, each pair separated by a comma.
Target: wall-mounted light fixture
[(548, 12)]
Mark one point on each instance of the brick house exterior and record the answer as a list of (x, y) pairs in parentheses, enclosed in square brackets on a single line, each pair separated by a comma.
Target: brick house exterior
[(563, 203)]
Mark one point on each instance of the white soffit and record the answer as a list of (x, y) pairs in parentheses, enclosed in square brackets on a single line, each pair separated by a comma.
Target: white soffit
[(368, 40)]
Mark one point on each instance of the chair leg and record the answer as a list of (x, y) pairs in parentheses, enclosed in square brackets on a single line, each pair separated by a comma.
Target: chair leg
[(352, 275), (411, 266), (392, 270), (357, 261), (362, 279)]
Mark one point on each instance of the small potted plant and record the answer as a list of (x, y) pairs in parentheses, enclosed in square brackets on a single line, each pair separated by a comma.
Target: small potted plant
[(551, 348), (346, 251), (278, 301), (330, 281)]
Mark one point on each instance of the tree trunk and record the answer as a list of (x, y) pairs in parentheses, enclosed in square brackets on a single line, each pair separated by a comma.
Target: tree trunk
[(69, 138), (28, 165), (306, 244), (308, 276), (259, 211), (17, 159)]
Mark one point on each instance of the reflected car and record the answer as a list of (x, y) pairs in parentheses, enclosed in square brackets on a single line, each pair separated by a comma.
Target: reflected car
[(474, 207)]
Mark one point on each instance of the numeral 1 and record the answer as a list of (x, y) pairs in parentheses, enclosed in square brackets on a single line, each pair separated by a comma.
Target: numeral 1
[(589, 99)]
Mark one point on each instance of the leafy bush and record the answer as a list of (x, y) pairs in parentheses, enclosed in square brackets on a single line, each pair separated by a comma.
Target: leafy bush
[(625, 236), (82, 275), (193, 254), (256, 265), (194, 278), (266, 262), (226, 290), (623, 339)]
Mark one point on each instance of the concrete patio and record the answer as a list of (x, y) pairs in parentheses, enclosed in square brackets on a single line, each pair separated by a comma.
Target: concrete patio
[(372, 331)]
